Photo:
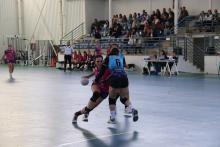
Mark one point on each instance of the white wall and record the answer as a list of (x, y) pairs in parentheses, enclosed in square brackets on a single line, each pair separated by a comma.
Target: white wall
[(158, 4), (74, 14), (212, 64), (128, 6), (106, 11), (196, 6), (131, 6), (49, 26), (216, 4), (8, 21), (94, 9)]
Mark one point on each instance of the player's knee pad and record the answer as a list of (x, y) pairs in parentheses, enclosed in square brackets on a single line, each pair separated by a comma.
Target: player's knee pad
[(123, 100), (95, 96), (104, 95), (112, 101)]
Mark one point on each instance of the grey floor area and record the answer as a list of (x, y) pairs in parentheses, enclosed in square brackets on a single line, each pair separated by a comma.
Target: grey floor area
[(36, 110)]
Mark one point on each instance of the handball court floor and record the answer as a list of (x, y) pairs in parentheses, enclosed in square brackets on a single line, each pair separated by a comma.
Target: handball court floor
[(36, 110)]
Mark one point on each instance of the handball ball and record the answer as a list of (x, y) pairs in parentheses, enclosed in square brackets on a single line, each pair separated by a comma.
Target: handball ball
[(84, 81)]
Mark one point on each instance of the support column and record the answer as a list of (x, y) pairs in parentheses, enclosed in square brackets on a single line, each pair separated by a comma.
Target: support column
[(61, 18), (150, 6), (176, 15), (20, 17), (110, 13), (210, 4)]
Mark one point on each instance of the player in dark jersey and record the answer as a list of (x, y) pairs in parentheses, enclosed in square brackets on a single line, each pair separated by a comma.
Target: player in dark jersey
[(99, 88), (118, 83)]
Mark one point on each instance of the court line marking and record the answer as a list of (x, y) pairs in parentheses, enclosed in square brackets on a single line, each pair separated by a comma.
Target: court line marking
[(94, 138)]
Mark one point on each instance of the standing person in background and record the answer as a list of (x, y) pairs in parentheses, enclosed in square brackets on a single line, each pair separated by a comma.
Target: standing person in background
[(98, 48), (9, 57), (109, 49), (68, 50)]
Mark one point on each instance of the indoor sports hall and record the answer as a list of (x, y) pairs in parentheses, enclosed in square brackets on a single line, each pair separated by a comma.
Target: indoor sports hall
[(169, 50)]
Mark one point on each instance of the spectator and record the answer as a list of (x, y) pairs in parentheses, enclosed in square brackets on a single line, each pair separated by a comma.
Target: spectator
[(183, 13), (97, 34), (98, 48), (165, 13), (216, 15), (95, 25), (202, 17), (68, 50)]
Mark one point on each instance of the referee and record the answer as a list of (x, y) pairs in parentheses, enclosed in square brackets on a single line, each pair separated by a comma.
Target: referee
[(68, 50)]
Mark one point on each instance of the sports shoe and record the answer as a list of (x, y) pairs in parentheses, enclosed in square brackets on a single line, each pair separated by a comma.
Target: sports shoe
[(85, 117), (75, 118), (112, 120), (135, 115), (128, 111)]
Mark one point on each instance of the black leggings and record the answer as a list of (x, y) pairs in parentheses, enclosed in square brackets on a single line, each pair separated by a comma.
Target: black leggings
[(67, 58)]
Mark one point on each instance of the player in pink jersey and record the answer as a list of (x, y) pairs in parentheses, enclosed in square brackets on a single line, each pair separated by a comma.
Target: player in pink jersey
[(99, 89), (9, 57)]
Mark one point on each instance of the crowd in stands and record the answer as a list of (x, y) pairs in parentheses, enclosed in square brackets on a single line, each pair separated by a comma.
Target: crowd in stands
[(156, 24), (137, 24), (206, 21), (208, 18)]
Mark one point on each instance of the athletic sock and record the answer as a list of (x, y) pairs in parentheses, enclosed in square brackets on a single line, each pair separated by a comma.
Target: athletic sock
[(113, 114), (87, 110), (78, 113)]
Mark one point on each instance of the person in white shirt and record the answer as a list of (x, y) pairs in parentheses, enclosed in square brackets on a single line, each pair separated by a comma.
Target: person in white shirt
[(68, 50)]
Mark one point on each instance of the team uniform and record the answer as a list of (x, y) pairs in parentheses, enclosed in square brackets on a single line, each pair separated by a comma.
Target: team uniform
[(10, 56), (118, 77), (118, 83), (103, 83), (98, 95)]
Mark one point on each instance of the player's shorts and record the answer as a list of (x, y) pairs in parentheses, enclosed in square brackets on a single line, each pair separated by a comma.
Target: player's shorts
[(104, 90), (9, 61), (118, 82)]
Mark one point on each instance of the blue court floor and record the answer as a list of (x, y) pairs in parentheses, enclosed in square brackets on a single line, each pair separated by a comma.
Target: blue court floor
[(36, 110)]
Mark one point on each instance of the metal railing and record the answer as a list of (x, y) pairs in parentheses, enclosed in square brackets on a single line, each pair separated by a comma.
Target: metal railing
[(217, 43), (138, 45), (190, 50), (75, 34), (40, 53)]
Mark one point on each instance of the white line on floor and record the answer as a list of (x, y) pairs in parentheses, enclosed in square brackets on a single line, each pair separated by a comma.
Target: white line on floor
[(94, 138)]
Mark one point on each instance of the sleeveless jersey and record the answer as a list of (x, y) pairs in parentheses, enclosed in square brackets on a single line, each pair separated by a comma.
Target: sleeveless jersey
[(116, 65), (103, 81), (10, 54)]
